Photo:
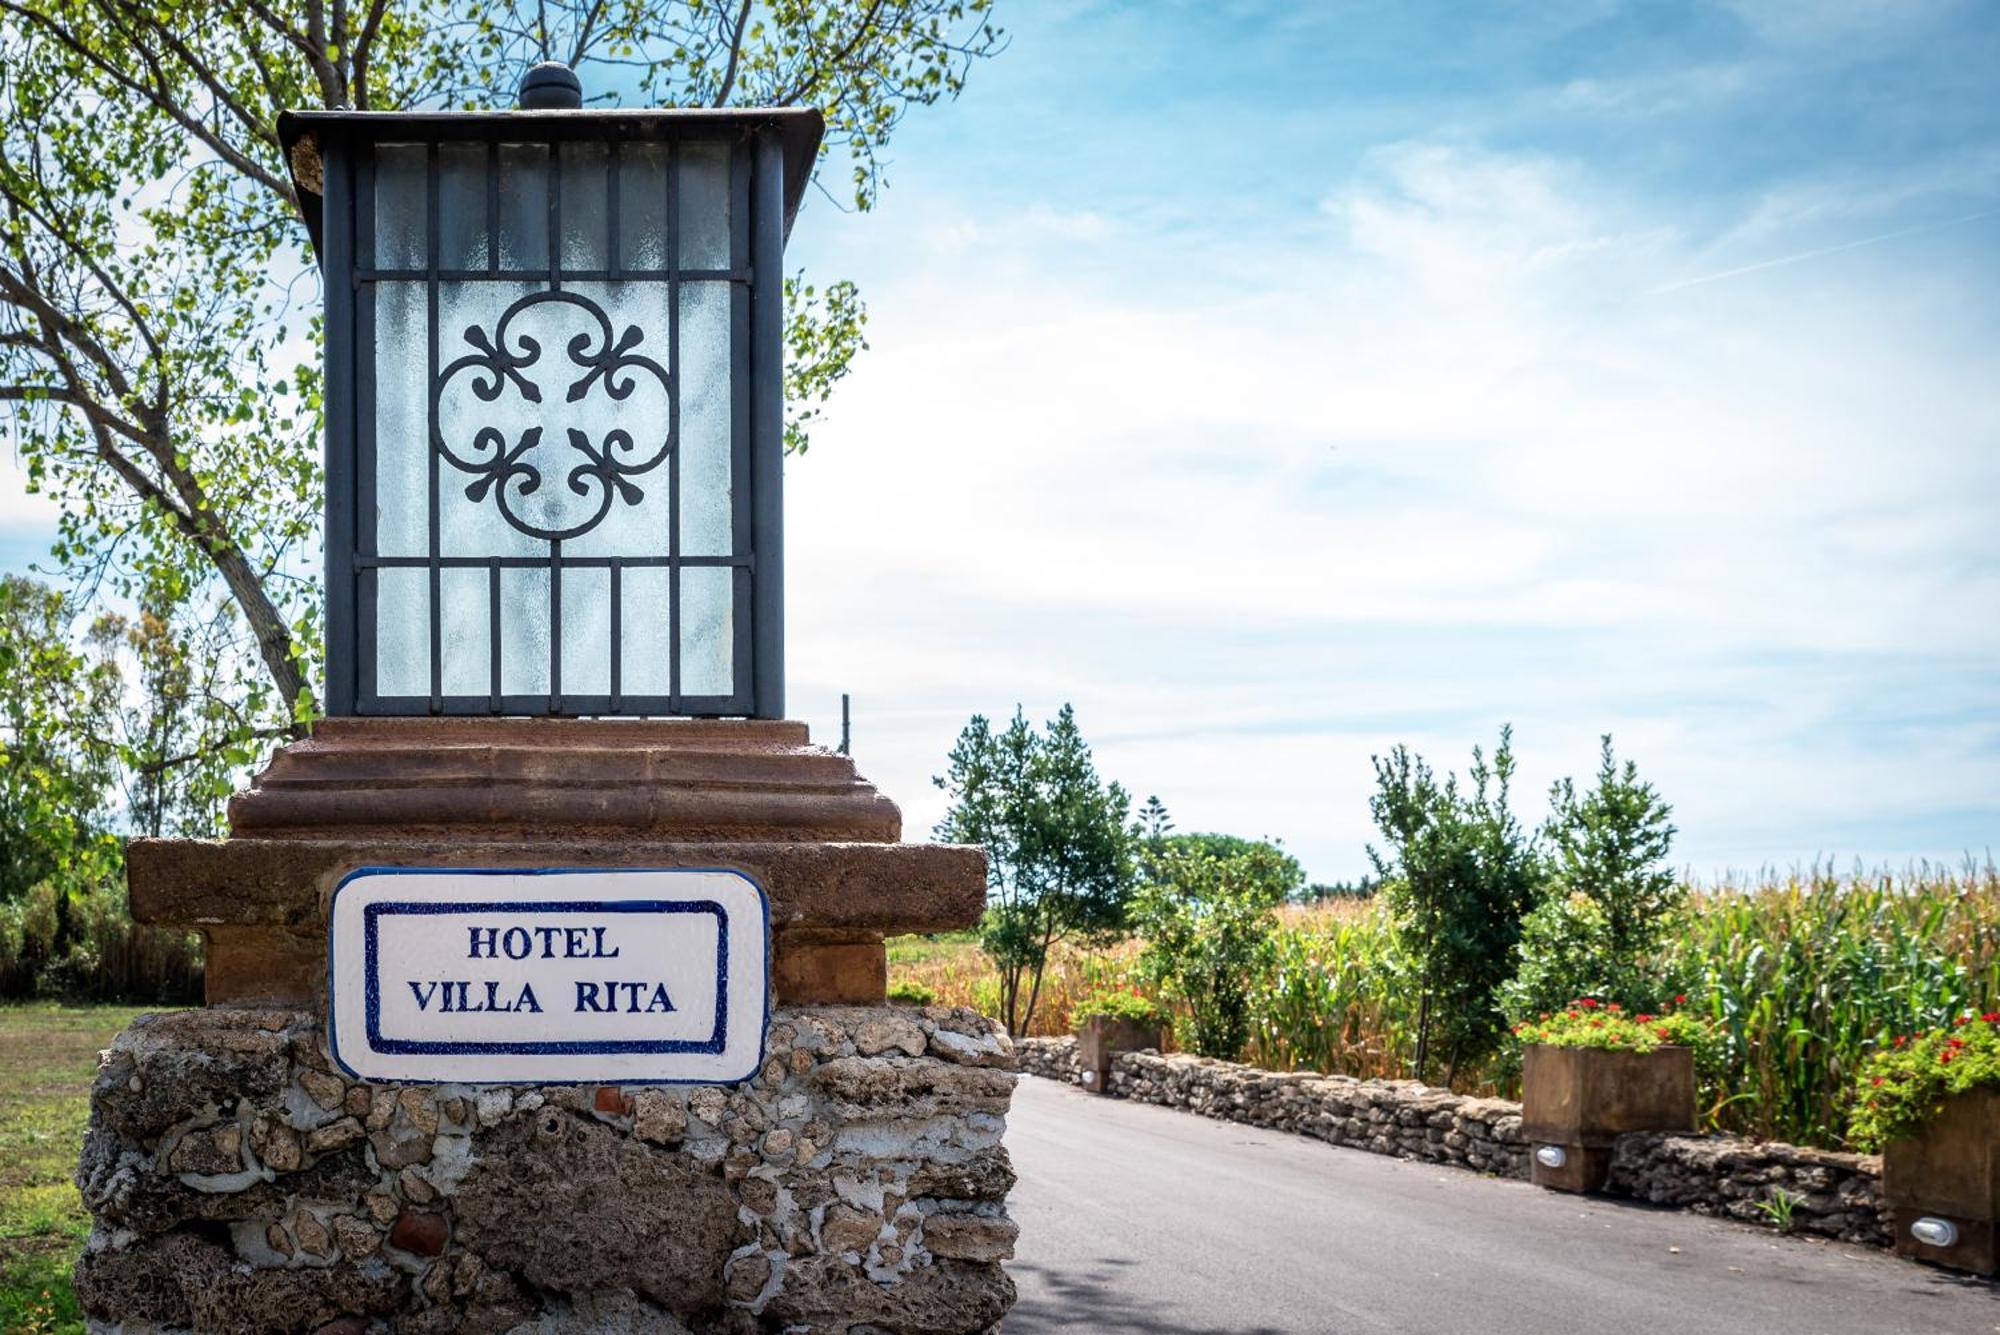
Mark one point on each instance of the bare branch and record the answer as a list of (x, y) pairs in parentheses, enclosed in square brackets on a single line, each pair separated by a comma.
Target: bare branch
[(735, 55)]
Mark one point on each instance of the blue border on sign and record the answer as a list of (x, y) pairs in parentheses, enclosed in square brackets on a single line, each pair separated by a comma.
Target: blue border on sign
[(764, 916), (372, 981)]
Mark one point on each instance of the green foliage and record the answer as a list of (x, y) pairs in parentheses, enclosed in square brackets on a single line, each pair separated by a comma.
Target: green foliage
[(1058, 854), (906, 993), (76, 721), (83, 946), (1806, 977), (1119, 1004), (1588, 1022), (1459, 876), (1778, 1208), (157, 337), (1338, 995), (58, 706), (1613, 900), (1903, 1085), (1205, 913)]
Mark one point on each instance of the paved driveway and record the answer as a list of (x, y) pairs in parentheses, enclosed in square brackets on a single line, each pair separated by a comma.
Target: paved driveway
[(1136, 1218)]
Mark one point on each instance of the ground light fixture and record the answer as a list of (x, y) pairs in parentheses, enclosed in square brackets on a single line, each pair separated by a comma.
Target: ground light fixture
[(1935, 1232), (554, 402), (1551, 1156)]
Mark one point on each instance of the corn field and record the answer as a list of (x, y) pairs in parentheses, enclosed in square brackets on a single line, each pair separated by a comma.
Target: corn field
[(1802, 973)]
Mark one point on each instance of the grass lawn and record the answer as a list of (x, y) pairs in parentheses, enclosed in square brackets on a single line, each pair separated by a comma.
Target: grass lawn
[(48, 1055)]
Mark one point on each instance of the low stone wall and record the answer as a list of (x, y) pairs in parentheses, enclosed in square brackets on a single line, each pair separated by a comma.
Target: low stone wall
[(1835, 1195), (241, 1183), (1049, 1058)]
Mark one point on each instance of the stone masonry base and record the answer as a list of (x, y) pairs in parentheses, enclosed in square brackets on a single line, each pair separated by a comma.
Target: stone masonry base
[(1833, 1195), (858, 1185)]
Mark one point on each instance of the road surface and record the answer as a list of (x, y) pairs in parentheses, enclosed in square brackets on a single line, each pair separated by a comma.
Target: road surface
[(1137, 1218)]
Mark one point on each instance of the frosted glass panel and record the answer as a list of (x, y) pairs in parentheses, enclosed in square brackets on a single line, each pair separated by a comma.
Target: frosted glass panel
[(586, 632), (401, 207), (465, 599), (402, 631), (708, 628), (644, 630), (586, 206), (705, 420), (637, 519), (642, 207), (402, 454), (524, 206), (704, 206), (553, 424), (524, 631), (462, 206)]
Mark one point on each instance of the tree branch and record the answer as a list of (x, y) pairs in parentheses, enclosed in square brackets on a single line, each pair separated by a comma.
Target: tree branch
[(735, 55)]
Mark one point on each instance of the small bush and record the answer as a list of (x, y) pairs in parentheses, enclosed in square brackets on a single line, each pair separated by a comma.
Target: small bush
[(1129, 1004), (1208, 924), (103, 955), (907, 993)]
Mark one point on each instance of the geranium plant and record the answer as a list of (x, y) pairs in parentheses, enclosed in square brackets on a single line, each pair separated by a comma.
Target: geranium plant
[(1903, 1085), (1590, 1023), (1120, 1004)]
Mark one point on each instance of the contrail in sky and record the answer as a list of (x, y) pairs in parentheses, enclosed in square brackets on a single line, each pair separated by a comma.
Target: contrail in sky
[(1823, 250)]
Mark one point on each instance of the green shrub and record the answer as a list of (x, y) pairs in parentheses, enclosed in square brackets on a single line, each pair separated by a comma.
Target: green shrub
[(63, 945), (1903, 1086), (906, 993), (1129, 1004), (1612, 902), (1459, 876), (1208, 923)]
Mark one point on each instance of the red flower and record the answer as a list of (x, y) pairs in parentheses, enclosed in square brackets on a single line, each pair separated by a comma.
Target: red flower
[(1901, 1039), (1878, 1079), (1614, 1006), (1944, 1057), (1991, 1017), (1963, 1020), (1681, 1000), (1665, 1032), (1957, 1043), (1642, 1018), (1588, 1003)]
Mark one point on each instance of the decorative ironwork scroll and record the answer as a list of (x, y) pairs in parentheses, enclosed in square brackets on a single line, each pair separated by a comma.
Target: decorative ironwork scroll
[(500, 367)]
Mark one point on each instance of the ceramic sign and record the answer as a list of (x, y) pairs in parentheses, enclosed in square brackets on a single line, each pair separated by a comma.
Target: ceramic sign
[(621, 976)]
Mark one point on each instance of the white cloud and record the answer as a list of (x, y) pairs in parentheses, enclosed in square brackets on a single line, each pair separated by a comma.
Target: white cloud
[(1454, 462)]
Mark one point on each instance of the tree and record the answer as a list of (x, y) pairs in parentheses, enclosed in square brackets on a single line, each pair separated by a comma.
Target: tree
[(1459, 876), (57, 756), (153, 272), (1613, 899), (1206, 912), (1058, 853)]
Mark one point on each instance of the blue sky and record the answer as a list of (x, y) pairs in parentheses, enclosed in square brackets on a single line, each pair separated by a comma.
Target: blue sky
[(1280, 382)]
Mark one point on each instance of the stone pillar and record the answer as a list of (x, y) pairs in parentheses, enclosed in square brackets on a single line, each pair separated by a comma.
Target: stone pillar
[(241, 1181)]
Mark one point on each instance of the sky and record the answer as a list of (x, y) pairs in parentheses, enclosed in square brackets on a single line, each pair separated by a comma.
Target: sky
[(1278, 383)]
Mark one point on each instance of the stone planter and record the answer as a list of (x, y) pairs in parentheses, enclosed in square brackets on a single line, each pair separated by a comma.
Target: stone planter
[(1101, 1038), (1943, 1186), (1575, 1102)]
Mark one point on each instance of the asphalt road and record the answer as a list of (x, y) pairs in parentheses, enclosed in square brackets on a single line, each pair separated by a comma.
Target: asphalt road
[(1136, 1218)]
